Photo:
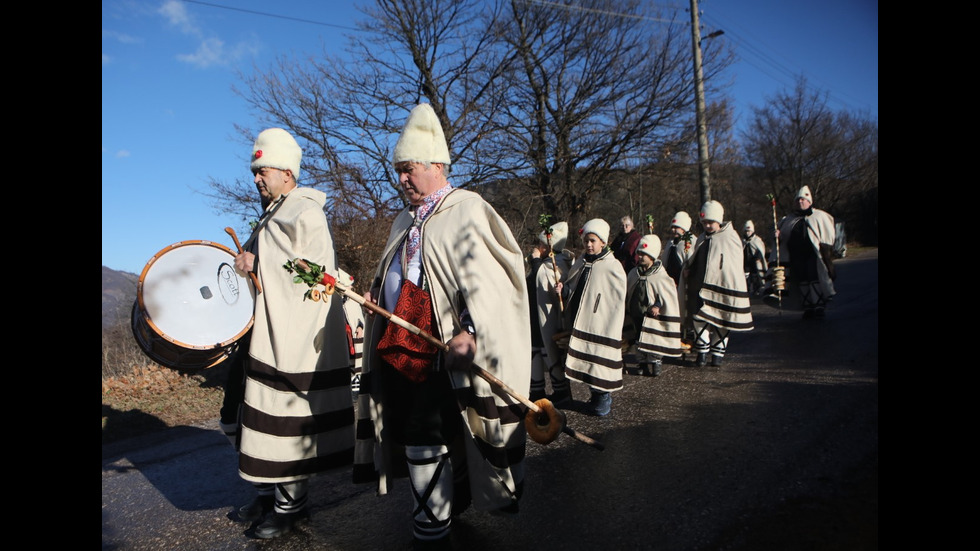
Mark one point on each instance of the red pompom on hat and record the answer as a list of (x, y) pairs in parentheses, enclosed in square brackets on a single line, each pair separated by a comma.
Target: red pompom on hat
[(276, 148)]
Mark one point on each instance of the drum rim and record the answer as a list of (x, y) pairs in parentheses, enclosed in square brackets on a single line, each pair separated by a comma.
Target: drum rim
[(144, 315), (218, 353)]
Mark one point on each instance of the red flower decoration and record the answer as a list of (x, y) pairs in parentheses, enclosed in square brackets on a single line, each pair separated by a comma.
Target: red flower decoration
[(258, 154), (644, 245), (581, 230)]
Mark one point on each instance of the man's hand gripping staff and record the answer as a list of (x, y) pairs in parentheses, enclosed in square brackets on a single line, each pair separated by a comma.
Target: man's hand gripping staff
[(543, 421)]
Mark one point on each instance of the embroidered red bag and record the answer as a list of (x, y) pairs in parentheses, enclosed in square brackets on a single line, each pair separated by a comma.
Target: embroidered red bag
[(407, 352)]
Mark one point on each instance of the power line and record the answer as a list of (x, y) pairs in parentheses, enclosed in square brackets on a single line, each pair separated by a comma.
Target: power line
[(756, 53), (274, 15), (574, 7)]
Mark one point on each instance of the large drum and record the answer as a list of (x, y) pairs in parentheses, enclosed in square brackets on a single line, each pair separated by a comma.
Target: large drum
[(192, 306)]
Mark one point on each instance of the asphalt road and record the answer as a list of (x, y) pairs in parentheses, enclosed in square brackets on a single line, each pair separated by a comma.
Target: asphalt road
[(775, 450)]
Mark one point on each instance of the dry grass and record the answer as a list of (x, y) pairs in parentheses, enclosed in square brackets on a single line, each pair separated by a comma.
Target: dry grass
[(151, 398)]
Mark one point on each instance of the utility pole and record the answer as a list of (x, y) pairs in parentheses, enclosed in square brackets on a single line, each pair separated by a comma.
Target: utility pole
[(703, 172)]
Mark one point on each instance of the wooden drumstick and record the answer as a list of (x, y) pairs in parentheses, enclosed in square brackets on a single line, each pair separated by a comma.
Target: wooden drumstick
[(255, 279)]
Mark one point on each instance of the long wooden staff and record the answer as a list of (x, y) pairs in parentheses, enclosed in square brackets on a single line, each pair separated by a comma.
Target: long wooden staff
[(255, 278), (554, 267), (330, 284), (778, 272), (545, 222)]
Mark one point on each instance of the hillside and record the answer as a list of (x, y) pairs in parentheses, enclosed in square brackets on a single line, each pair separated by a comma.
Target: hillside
[(118, 295)]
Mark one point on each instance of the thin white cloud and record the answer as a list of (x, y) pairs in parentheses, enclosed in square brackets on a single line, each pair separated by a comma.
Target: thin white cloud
[(122, 38), (210, 52), (177, 15), (106, 59), (122, 153)]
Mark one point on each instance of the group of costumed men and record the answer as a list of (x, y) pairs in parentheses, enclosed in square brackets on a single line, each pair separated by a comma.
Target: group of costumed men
[(423, 413), (679, 296)]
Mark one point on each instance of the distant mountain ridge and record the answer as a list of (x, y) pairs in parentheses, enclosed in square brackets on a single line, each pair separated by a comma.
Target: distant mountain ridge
[(118, 296)]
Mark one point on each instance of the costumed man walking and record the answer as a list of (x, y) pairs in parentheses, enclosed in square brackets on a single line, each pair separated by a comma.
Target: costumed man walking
[(806, 247), (297, 417), (595, 309), (450, 264), (754, 250), (715, 296), (546, 314), (652, 308)]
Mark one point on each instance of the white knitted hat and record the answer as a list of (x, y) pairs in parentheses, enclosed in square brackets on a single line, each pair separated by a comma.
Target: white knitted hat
[(749, 226), (649, 245), (559, 234), (598, 227), (805, 193), (422, 139), (712, 211), (682, 220), (277, 148)]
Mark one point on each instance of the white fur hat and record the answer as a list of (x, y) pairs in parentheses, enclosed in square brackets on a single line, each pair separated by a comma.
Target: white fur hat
[(422, 139), (712, 211), (277, 148), (559, 234), (682, 220), (804, 193), (749, 226), (598, 227), (650, 246)]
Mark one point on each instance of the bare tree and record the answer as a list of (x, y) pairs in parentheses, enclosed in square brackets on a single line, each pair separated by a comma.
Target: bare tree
[(558, 100), (796, 140), (596, 88)]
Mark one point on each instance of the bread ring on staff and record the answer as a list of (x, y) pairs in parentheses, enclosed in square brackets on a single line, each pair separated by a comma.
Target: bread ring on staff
[(314, 295), (543, 427)]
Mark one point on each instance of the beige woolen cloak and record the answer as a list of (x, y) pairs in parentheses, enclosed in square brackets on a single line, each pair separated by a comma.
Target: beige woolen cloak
[(724, 292), (821, 231), (549, 311), (595, 348), (297, 417), (757, 251), (355, 319), (470, 257), (662, 334)]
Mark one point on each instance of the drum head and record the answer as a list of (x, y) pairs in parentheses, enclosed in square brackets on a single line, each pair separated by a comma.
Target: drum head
[(191, 294)]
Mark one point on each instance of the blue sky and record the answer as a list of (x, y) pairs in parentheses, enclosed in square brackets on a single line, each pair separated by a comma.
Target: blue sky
[(168, 109)]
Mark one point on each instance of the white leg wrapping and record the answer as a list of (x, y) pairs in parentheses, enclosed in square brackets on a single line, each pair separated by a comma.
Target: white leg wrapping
[(702, 342), (431, 475), (291, 497), (538, 361), (719, 341)]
